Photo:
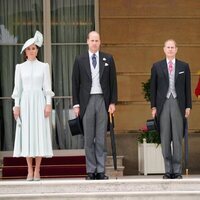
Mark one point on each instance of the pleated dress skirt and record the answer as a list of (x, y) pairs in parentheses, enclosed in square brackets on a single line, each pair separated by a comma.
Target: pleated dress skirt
[(33, 136)]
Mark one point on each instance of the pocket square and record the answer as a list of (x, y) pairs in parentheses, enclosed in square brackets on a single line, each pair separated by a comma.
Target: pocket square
[(181, 72)]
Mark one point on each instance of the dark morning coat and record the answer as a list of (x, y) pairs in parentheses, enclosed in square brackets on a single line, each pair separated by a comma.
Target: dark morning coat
[(82, 80), (160, 84)]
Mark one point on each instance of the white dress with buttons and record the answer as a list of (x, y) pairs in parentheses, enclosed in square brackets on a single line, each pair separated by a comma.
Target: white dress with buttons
[(32, 92)]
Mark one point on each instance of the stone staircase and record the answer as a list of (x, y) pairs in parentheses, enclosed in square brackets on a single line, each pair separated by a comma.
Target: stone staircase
[(110, 169), (115, 189), (64, 164)]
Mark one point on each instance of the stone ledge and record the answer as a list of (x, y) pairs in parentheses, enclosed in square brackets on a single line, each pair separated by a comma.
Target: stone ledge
[(107, 196)]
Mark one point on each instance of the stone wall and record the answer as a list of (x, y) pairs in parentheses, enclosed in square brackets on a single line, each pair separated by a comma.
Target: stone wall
[(127, 146)]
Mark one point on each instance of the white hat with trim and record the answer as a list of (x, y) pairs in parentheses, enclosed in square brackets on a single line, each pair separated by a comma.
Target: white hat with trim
[(37, 40)]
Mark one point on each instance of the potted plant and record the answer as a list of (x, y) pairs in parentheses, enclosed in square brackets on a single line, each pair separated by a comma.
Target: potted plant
[(150, 160), (150, 136)]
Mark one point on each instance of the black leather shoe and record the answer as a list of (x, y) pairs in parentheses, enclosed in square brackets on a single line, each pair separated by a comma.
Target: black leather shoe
[(177, 176), (167, 176), (90, 176), (101, 176)]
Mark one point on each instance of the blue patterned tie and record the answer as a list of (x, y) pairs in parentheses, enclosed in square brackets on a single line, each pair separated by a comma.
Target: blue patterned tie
[(94, 60)]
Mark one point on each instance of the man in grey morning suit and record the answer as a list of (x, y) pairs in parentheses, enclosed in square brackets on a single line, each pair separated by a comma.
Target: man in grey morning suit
[(171, 103), (94, 91)]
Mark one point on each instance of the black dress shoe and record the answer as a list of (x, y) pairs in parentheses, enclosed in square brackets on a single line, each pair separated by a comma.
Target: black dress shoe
[(177, 176), (101, 176), (90, 176), (167, 176)]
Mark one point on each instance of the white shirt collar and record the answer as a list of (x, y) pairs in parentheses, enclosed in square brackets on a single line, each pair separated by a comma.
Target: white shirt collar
[(90, 53), (173, 61)]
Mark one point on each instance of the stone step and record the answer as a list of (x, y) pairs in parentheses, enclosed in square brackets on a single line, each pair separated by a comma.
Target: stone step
[(123, 189), (109, 161), (111, 172), (175, 195)]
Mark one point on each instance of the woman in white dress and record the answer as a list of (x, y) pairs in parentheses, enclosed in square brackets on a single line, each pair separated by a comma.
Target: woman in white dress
[(32, 94)]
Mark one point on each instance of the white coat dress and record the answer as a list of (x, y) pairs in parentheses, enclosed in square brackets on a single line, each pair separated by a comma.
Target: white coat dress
[(32, 91)]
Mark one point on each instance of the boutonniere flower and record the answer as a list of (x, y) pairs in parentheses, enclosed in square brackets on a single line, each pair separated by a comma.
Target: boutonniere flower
[(106, 64), (104, 59)]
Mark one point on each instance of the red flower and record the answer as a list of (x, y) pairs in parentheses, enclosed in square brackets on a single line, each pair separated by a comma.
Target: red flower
[(144, 129)]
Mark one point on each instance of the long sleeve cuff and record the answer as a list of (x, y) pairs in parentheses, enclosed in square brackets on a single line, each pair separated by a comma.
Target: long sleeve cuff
[(48, 100), (16, 101), (76, 106)]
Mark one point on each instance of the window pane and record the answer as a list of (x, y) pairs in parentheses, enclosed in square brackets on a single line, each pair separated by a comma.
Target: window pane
[(19, 19), (71, 20)]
